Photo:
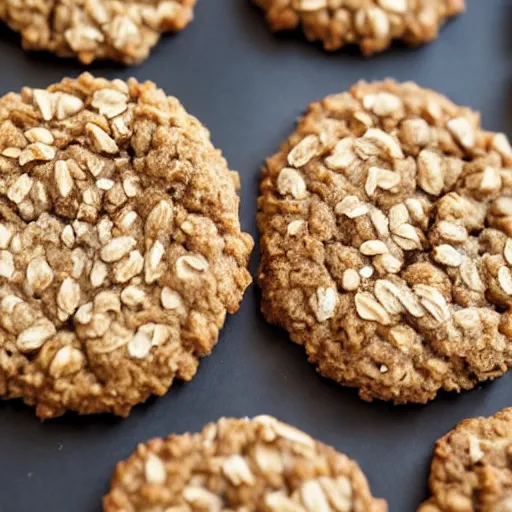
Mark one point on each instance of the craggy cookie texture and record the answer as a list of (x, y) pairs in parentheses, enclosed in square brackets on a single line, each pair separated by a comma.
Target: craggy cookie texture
[(386, 223), (371, 24), (122, 30), (259, 465), (472, 467), (120, 245)]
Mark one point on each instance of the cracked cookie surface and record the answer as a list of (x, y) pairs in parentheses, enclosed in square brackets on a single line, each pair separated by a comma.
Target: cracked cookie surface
[(240, 465), (472, 467), (386, 223), (371, 24), (124, 31), (120, 245)]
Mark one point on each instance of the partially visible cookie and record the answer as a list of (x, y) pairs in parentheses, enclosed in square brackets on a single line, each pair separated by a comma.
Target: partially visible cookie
[(120, 245), (371, 24), (386, 247), (472, 467), (258, 465), (96, 29)]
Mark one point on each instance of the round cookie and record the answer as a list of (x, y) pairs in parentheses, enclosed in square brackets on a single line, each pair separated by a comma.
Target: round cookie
[(258, 465), (386, 223), (371, 24), (120, 245), (96, 29), (472, 467)]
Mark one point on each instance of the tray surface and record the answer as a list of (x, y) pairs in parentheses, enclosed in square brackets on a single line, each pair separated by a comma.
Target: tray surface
[(248, 87)]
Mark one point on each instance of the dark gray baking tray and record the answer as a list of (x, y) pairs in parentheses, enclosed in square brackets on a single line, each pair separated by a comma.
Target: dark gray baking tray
[(248, 86)]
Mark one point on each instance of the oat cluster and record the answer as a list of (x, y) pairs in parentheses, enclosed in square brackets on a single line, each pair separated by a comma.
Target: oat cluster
[(472, 467), (371, 24), (121, 30), (120, 245), (386, 224), (259, 465)]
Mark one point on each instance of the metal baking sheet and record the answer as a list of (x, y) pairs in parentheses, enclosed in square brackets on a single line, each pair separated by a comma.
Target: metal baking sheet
[(248, 86)]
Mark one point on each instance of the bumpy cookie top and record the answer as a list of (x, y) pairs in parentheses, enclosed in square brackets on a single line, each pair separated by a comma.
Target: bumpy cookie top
[(259, 465), (472, 467), (95, 29), (120, 245), (371, 24), (386, 223)]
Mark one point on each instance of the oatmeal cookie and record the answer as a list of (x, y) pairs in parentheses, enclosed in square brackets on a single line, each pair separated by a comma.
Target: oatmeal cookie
[(258, 465), (472, 467), (95, 29), (371, 24), (120, 245), (386, 223)]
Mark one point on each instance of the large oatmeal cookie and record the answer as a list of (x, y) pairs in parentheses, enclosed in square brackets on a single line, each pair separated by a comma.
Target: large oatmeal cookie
[(95, 29), (120, 245), (472, 467), (386, 223), (259, 465), (371, 24)]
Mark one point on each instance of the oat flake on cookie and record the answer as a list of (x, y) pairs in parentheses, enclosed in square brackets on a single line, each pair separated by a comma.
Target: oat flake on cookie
[(124, 30), (120, 245), (249, 465), (386, 222)]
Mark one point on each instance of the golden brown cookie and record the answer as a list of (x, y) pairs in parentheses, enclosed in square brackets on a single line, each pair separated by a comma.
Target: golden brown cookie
[(243, 465), (386, 223), (124, 30), (371, 24), (120, 245), (472, 467)]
